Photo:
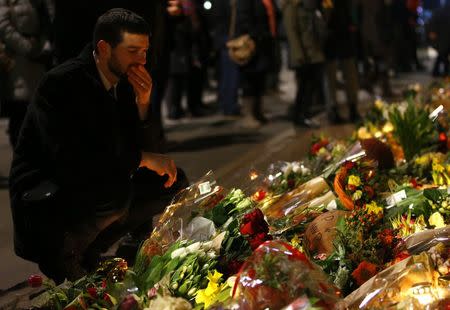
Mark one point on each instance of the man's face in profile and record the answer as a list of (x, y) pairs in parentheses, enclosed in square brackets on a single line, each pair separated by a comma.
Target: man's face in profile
[(131, 51)]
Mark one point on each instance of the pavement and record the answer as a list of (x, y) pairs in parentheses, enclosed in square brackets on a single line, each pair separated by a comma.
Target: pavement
[(202, 144)]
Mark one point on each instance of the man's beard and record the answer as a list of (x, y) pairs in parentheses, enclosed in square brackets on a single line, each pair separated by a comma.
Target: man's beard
[(114, 67)]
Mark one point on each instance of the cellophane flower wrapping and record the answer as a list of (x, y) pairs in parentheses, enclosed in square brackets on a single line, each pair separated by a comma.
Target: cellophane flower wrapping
[(278, 274), (417, 282), (182, 218), (298, 206)]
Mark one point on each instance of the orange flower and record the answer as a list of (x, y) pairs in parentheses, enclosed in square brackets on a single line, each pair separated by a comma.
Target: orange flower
[(364, 272)]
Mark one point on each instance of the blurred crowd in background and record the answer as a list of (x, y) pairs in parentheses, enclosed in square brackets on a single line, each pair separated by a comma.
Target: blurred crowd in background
[(330, 44)]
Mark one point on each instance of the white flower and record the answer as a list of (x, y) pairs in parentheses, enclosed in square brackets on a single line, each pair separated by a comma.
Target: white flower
[(211, 254), (287, 169), (305, 171), (296, 168), (181, 252), (194, 247)]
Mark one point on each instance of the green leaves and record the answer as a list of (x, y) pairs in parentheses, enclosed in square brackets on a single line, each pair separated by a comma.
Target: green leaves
[(413, 128)]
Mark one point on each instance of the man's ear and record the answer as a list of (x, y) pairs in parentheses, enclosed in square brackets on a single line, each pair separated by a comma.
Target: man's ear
[(103, 48)]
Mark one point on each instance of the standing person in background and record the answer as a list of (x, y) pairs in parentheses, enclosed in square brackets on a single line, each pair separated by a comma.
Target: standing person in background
[(261, 26), (229, 75), (411, 34), (188, 58), (340, 50), (377, 36), (438, 32), (305, 33), (25, 32), (251, 18)]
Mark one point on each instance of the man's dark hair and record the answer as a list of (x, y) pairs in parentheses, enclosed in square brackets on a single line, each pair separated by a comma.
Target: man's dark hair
[(111, 25)]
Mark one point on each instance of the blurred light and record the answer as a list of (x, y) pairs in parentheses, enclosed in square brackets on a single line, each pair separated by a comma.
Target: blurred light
[(253, 175), (207, 5)]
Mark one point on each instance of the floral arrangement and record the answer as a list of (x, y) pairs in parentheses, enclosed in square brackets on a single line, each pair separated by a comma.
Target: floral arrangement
[(292, 243), (414, 130), (356, 184), (283, 177), (276, 274)]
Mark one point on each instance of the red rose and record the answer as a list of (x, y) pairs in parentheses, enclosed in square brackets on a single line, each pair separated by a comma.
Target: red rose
[(315, 148), (92, 291), (442, 137), (35, 280), (107, 298), (247, 229), (254, 223)]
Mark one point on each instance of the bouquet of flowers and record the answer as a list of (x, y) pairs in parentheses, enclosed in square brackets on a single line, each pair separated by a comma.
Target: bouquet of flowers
[(278, 274), (188, 204), (414, 283)]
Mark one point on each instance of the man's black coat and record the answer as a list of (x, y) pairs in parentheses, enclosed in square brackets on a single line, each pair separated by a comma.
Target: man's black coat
[(76, 152)]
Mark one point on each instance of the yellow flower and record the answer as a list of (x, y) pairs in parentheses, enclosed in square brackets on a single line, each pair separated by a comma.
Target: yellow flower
[(379, 104), (372, 207), (354, 180), (438, 157), (423, 160), (388, 127), (295, 241), (203, 298), (447, 169), (436, 220), (363, 133), (211, 289), (438, 167), (214, 277), (357, 195), (208, 296)]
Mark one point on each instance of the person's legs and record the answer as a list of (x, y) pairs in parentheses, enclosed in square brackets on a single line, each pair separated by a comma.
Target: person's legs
[(304, 97), (326, 77), (253, 90), (150, 198), (228, 84), (195, 82), (45, 234), (299, 105), (259, 90), (174, 96)]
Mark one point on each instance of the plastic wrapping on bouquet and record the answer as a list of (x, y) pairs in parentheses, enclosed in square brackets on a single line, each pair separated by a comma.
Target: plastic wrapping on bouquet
[(277, 275)]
